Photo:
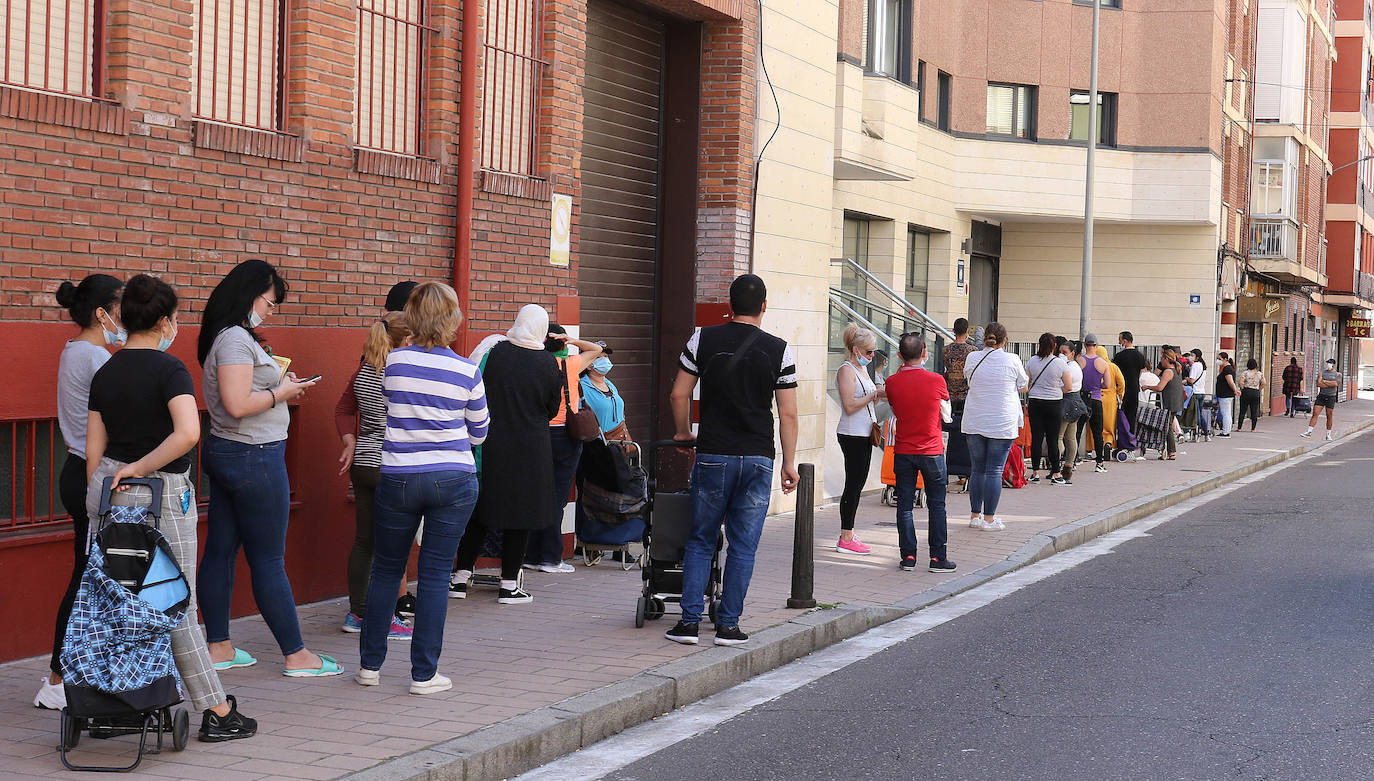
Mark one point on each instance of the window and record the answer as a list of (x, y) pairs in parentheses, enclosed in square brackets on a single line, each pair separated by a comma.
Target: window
[(889, 38), (1105, 3), (1106, 117), (392, 55), (240, 62), (1272, 185), (856, 232), (945, 88), (920, 90), (917, 267), (1011, 110), (514, 75), (51, 45)]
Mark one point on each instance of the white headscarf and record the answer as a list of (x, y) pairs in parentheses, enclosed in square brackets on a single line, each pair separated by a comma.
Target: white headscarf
[(530, 330)]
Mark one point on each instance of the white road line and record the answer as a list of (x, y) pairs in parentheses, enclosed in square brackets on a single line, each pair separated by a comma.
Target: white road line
[(616, 752)]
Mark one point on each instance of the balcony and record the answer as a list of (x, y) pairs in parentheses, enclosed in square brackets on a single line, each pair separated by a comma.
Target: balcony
[(1274, 252), (1362, 297)]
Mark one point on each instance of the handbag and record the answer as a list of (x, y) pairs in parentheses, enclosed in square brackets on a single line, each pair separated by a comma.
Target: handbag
[(581, 425), (1074, 406)]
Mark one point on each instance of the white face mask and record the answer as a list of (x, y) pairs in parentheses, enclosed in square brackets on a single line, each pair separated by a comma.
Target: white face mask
[(254, 319)]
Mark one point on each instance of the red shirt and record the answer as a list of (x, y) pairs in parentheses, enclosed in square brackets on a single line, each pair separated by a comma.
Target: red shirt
[(915, 395)]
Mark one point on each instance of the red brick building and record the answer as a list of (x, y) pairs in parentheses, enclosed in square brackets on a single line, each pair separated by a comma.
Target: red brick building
[(354, 143)]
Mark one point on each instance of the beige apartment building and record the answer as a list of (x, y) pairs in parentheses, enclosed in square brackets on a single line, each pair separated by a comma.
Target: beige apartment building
[(942, 147)]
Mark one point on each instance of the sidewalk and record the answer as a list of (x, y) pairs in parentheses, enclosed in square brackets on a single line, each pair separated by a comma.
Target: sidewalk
[(578, 636)]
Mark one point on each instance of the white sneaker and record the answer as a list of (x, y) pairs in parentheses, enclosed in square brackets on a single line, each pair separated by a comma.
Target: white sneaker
[(994, 525), (1328, 436), (1306, 434), (561, 567), (366, 677), (433, 686), (976, 522), (52, 696)]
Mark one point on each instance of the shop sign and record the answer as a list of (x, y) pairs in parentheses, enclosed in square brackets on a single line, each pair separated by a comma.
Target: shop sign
[(1259, 309), (1357, 328)]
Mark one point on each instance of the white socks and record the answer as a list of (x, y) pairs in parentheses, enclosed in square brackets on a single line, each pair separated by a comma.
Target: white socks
[(462, 576), (1309, 429), (509, 585)]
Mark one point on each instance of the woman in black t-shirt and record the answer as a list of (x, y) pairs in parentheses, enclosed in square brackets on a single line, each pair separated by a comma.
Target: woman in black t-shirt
[(143, 423), (1226, 392)]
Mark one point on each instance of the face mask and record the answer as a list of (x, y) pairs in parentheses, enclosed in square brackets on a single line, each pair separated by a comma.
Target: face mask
[(254, 319), (164, 342), (602, 365), (118, 337), (864, 360)]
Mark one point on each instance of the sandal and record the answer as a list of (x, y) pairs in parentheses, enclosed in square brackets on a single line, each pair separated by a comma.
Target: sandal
[(241, 659), (328, 666)]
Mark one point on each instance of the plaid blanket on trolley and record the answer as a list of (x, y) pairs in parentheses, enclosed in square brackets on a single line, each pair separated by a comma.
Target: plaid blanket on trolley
[(1151, 428)]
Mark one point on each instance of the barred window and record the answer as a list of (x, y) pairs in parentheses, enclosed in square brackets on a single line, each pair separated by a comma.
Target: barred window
[(52, 45), (393, 36), (514, 77), (241, 62)]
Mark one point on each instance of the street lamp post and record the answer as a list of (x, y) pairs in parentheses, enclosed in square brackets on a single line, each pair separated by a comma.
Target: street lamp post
[(1085, 296)]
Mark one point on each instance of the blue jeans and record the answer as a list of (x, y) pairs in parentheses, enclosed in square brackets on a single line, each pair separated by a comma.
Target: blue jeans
[(444, 500), (932, 468), (250, 503), (734, 491), (989, 457)]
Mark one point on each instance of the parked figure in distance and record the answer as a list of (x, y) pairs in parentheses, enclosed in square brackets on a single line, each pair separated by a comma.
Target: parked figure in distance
[(742, 371), (1328, 390), (920, 401), (858, 394)]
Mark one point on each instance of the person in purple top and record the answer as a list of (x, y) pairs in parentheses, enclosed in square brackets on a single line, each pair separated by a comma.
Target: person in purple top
[(1095, 377), (436, 412)]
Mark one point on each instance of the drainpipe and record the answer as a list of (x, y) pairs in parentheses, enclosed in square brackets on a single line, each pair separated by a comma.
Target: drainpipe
[(467, 134)]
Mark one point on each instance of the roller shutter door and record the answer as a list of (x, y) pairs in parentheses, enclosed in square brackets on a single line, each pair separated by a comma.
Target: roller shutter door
[(619, 227)]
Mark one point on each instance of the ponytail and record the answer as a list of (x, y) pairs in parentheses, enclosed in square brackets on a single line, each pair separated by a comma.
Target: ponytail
[(384, 336)]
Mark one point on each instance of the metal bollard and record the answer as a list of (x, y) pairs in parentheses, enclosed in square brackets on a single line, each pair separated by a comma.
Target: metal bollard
[(804, 540)]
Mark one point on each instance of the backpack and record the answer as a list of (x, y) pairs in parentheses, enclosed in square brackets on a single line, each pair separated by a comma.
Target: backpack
[(1014, 473)]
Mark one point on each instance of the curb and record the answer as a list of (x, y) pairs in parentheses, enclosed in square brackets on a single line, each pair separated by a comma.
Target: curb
[(518, 744)]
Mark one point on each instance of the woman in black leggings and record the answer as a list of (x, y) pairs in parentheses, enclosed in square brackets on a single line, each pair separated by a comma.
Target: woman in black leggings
[(858, 392), (1050, 380), (1251, 393)]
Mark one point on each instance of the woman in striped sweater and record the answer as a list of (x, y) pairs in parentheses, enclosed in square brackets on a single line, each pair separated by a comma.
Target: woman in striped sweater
[(436, 412)]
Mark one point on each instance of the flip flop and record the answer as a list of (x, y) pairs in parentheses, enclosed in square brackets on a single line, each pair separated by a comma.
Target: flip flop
[(241, 659), (328, 666)]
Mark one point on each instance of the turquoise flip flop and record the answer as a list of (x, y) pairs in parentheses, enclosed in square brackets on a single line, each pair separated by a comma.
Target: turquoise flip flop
[(241, 659), (328, 666)]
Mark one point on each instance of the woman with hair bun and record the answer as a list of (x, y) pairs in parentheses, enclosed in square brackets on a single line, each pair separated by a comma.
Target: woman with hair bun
[(857, 392), (94, 306), (143, 423), (992, 416)]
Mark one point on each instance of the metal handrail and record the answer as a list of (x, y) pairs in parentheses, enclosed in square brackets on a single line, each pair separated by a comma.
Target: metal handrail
[(910, 307), (876, 307), (861, 320)]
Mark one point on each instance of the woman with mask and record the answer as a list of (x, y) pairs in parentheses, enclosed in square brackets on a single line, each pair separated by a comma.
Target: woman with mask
[(143, 423), (545, 550), (858, 393), (245, 458), (603, 398), (524, 389), (94, 306), (1074, 410)]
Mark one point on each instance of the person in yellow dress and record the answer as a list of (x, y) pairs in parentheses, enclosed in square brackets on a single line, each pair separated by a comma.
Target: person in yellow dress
[(1112, 396)]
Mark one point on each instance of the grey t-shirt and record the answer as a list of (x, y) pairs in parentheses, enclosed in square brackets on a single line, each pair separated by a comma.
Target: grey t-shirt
[(79, 362), (235, 347), (1047, 382), (1330, 376)]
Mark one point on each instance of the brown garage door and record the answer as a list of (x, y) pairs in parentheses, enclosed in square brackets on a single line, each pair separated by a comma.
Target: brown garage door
[(620, 189)]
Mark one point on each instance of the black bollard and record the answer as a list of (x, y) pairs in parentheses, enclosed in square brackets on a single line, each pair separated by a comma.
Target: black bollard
[(804, 540)]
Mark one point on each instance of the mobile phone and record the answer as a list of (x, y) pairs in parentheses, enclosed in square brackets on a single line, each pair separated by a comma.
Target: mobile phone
[(316, 378)]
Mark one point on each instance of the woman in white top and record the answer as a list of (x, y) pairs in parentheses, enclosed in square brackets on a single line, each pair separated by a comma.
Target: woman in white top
[(1069, 428), (1050, 380), (857, 392), (992, 416)]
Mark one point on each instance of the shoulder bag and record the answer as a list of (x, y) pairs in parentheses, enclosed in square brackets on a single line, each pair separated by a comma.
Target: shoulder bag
[(581, 425), (1074, 406)]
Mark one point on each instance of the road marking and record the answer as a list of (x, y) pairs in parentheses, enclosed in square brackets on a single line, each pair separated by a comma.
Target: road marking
[(618, 751)]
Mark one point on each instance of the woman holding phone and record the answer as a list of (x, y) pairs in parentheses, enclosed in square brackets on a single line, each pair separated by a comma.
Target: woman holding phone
[(245, 459)]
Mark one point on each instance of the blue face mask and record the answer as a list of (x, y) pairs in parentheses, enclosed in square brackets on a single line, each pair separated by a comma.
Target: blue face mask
[(164, 342), (602, 365), (119, 337), (864, 360)]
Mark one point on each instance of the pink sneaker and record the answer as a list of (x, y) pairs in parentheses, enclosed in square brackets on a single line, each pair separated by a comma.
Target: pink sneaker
[(853, 546)]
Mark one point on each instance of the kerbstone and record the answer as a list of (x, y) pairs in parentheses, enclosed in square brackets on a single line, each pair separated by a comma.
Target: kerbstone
[(704, 673), (515, 745), (613, 709)]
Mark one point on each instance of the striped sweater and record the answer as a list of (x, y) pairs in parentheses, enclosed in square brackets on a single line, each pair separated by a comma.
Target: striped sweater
[(436, 411)]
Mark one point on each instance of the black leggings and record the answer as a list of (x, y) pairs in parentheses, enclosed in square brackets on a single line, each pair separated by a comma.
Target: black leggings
[(858, 455), (1104, 453), (1249, 403), (1046, 416), (71, 486), (513, 544)]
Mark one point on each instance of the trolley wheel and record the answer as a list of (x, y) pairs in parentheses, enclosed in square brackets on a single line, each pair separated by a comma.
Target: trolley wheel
[(920, 498), (181, 729), (713, 611), (71, 730), (641, 610), (656, 608), (888, 497), (1122, 456)]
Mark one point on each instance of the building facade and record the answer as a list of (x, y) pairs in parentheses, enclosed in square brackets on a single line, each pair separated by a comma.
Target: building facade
[(355, 143)]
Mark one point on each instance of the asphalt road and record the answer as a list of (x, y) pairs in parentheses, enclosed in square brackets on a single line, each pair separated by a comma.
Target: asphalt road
[(1232, 642)]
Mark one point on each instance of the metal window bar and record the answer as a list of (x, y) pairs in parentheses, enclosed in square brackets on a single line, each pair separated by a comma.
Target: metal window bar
[(240, 62), (393, 46), (514, 67), (54, 46)]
